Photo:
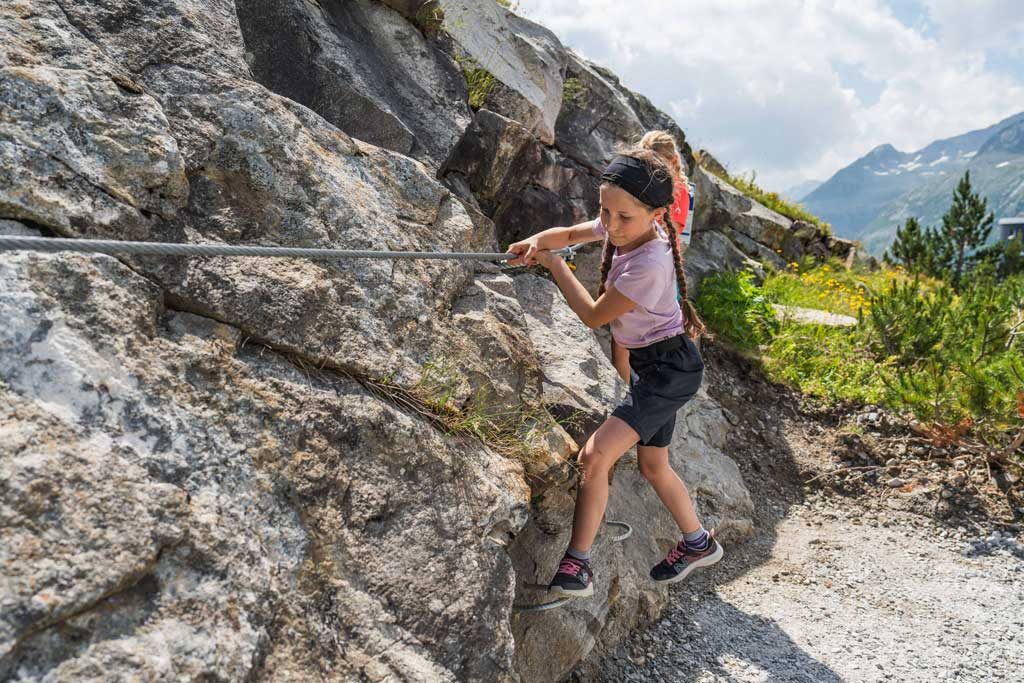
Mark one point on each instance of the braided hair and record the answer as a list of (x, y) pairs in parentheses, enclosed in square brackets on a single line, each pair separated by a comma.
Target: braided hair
[(692, 323)]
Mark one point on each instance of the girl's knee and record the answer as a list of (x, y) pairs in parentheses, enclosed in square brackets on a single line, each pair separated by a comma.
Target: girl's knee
[(651, 469), (593, 460), (653, 463)]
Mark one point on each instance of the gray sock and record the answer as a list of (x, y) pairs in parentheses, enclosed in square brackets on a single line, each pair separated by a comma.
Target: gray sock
[(696, 539), (578, 554)]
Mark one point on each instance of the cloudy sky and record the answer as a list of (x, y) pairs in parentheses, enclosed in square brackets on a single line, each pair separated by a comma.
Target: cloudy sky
[(797, 89)]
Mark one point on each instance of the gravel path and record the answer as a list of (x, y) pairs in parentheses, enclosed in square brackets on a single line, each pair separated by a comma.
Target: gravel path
[(828, 597)]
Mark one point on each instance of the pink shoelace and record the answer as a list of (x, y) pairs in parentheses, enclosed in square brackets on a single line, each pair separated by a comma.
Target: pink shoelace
[(675, 554), (680, 549), (570, 565)]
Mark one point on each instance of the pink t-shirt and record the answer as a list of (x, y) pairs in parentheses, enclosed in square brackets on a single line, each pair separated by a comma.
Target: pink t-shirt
[(646, 275)]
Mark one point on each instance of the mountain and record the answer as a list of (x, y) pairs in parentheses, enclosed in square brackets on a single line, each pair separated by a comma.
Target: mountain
[(868, 199), (801, 190)]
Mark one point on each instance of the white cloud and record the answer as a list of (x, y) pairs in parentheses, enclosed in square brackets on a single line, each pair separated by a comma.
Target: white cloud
[(755, 81), (979, 24)]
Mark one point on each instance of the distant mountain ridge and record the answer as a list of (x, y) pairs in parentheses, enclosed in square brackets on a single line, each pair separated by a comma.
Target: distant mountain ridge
[(868, 199)]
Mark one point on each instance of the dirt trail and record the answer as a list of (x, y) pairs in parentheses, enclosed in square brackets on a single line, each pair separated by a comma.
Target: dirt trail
[(839, 584)]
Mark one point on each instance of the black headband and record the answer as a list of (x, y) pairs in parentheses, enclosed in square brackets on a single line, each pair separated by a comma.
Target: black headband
[(636, 177)]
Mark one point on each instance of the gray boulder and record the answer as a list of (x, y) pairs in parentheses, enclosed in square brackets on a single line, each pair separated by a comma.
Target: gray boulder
[(712, 252), (599, 116), (523, 185), (364, 68), (579, 388), (525, 60), (754, 229)]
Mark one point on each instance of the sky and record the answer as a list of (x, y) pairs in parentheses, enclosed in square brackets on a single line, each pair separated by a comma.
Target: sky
[(797, 89)]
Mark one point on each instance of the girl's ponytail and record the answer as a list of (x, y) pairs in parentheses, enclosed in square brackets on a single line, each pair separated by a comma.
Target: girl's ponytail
[(664, 145)]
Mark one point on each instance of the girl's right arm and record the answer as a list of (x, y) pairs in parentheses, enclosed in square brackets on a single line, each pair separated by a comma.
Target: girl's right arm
[(552, 239)]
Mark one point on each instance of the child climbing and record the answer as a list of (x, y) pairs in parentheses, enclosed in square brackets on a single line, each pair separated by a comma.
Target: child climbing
[(639, 275), (664, 145)]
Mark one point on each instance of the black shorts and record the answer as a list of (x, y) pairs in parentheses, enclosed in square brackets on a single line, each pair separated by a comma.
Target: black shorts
[(663, 377)]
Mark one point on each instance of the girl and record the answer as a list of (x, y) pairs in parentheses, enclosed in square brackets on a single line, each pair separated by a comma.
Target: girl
[(639, 275), (664, 145)]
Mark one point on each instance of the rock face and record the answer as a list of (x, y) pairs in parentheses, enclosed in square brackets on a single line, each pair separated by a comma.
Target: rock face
[(523, 185), (599, 116), (746, 229), (245, 469), (199, 506), (343, 59), (525, 59)]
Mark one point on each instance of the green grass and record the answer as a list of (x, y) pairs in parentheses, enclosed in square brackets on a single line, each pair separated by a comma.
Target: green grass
[(731, 304), (956, 362), (829, 286), (828, 362), (574, 92), (479, 80)]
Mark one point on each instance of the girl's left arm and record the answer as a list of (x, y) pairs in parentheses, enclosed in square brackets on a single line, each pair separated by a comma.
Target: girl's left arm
[(609, 306)]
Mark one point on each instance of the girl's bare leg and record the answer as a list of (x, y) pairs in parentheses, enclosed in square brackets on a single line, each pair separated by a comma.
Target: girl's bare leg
[(602, 450), (654, 467), (620, 359)]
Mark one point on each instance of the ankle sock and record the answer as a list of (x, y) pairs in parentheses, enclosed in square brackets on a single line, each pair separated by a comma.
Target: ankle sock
[(698, 540), (578, 554)]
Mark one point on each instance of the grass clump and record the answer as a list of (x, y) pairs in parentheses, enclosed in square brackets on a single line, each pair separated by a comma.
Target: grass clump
[(479, 81), (733, 305), (514, 432), (574, 92), (430, 18)]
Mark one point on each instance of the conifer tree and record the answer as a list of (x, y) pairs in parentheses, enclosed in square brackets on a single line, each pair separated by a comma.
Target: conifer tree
[(965, 226), (909, 249), (939, 254)]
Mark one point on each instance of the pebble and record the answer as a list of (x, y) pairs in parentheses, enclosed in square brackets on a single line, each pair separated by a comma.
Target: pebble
[(896, 482)]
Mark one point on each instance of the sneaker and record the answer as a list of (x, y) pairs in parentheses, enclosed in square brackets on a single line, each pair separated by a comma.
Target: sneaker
[(682, 560), (574, 579)]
